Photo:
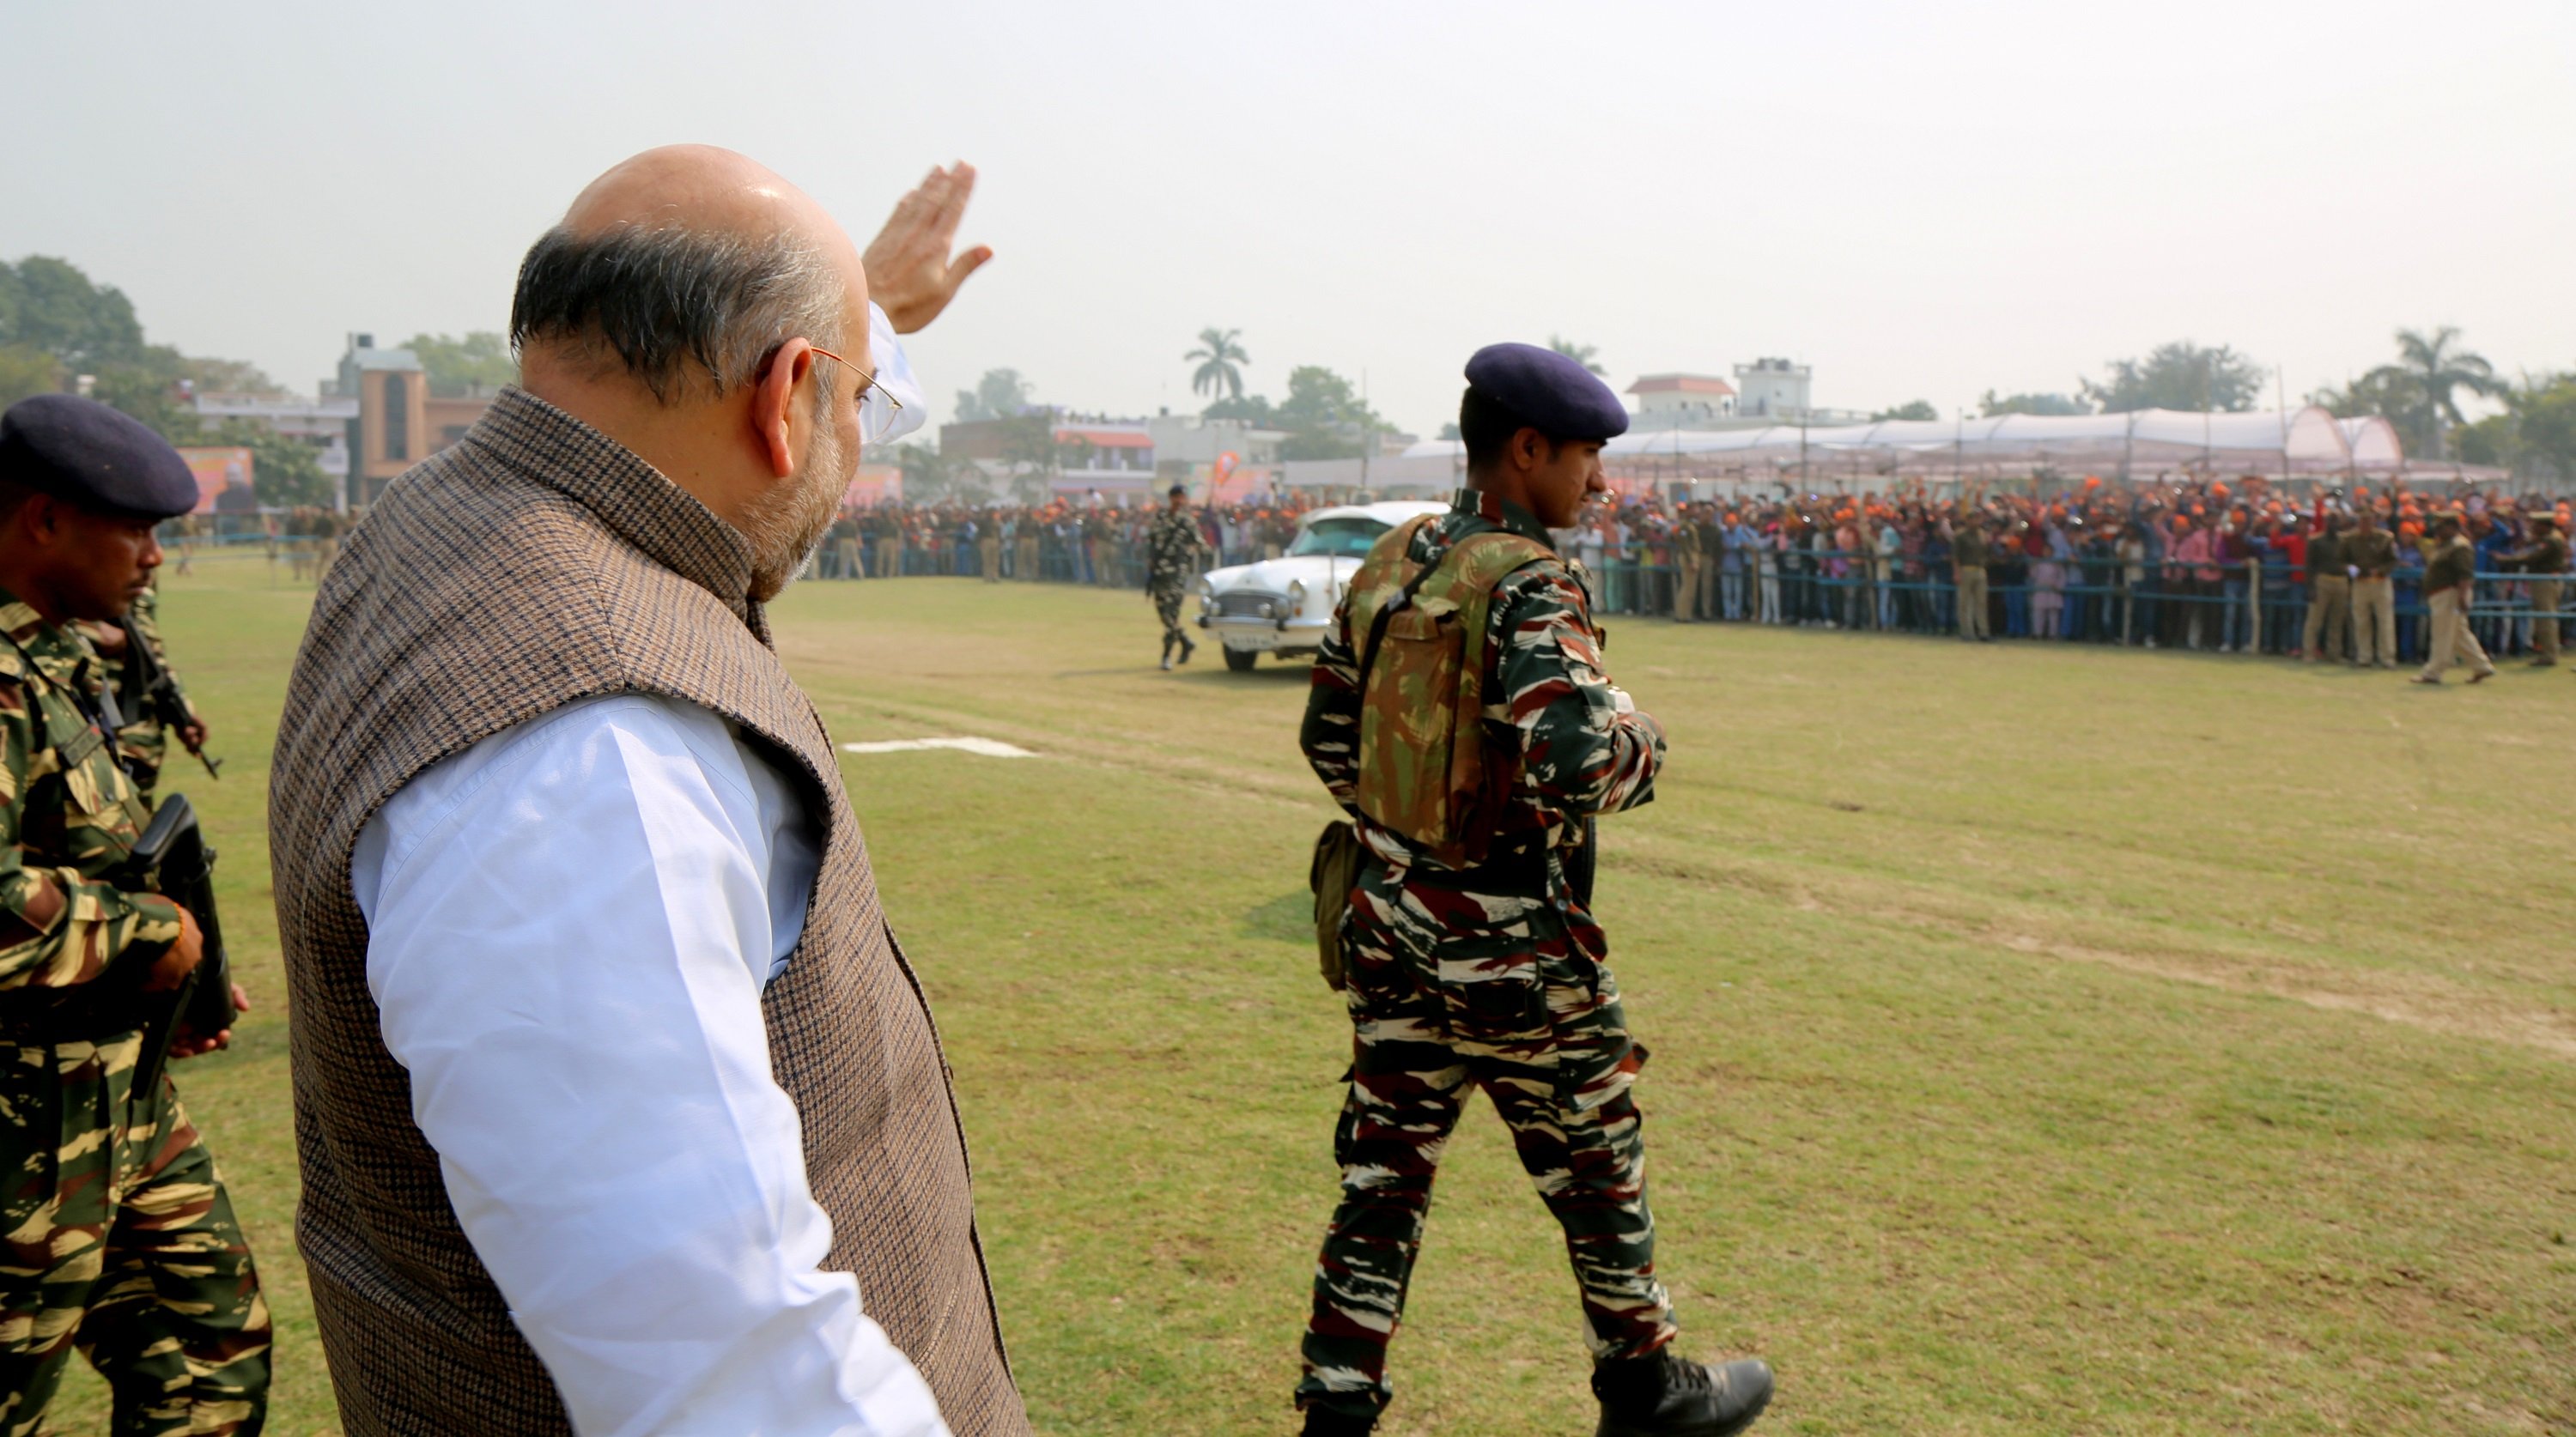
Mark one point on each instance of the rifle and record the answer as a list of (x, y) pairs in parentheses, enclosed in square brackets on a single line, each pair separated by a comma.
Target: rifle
[(173, 859), (150, 690)]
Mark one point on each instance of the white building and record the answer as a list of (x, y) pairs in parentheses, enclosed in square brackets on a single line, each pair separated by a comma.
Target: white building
[(1773, 388), (1193, 440), (1682, 401)]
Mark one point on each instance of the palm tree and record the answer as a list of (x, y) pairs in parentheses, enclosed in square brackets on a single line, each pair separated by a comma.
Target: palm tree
[(1219, 356), (2431, 372), (1579, 353)]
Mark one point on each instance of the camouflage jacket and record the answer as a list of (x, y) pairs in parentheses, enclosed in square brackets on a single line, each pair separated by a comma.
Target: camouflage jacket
[(1552, 726), (144, 741), (1171, 549), (67, 812)]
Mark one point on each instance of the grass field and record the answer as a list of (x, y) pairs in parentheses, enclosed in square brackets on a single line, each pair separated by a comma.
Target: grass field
[(2046, 1040)]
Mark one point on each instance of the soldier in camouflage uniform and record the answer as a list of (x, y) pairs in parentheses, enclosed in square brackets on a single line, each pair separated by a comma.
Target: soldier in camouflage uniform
[(1172, 558), (144, 740), (1492, 973), (119, 1238)]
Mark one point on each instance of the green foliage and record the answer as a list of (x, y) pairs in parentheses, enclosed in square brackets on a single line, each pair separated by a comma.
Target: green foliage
[(458, 366), (1254, 410), (26, 370), (2427, 377), (50, 304), (2534, 436), (285, 471), (1580, 353), (1910, 409), (2543, 411), (1324, 416), (1000, 394), (1221, 359), (2387, 395), (1991, 404), (2180, 375), (151, 389)]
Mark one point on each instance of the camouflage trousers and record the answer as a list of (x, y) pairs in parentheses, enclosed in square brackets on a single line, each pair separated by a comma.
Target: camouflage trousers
[(1449, 991), (120, 1241), (1167, 607)]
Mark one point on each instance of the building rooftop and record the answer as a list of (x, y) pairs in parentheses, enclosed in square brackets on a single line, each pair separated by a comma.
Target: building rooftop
[(1680, 384)]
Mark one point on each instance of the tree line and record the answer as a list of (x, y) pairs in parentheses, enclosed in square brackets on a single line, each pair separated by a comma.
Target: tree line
[(57, 326)]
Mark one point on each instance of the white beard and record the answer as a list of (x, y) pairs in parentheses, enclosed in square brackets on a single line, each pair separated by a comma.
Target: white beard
[(787, 524)]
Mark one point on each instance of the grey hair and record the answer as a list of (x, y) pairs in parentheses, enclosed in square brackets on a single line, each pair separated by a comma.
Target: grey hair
[(678, 308)]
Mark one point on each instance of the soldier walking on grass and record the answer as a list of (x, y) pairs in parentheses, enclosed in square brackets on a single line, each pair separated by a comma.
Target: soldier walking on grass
[(1172, 556), (121, 1240), (1461, 715)]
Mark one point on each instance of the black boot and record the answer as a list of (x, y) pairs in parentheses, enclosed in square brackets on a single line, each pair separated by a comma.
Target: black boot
[(1665, 1396), (1167, 651), (1327, 1422), (1187, 648)]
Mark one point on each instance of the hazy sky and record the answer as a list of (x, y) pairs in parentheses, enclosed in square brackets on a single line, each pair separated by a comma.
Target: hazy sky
[(1919, 200)]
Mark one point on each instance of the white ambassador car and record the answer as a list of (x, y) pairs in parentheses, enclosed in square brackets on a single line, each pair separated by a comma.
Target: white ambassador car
[(1283, 606)]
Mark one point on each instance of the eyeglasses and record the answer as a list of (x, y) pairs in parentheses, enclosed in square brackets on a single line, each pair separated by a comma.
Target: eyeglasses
[(877, 404)]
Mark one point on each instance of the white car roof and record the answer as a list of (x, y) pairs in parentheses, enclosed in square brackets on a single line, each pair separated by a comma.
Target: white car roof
[(1390, 513)]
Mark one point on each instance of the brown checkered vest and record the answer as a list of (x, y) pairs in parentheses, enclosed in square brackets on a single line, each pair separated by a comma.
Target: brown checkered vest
[(533, 563)]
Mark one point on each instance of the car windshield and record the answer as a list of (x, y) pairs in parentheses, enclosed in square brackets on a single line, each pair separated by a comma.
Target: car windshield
[(1338, 538)]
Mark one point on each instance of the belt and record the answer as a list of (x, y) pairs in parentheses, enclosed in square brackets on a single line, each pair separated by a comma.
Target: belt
[(1521, 869), (42, 1016)]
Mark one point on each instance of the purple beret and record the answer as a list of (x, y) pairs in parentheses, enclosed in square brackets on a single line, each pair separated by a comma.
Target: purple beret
[(1547, 391), (82, 452)]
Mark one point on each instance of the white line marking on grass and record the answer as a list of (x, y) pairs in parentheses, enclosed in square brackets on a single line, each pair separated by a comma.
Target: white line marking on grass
[(987, 747)]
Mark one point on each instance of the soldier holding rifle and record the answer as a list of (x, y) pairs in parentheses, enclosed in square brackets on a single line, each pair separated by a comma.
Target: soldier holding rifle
[(1460, 713), (120, 1238)]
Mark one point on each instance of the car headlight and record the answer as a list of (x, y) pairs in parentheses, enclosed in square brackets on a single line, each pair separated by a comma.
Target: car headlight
[(1269, 610), (1296, 596)]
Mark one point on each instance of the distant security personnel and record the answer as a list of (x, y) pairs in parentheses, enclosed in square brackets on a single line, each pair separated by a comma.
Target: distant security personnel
[(1461, 715), (2328, 631), (2369, 555), (2545, 560), (1171, 555), (120, 1238)]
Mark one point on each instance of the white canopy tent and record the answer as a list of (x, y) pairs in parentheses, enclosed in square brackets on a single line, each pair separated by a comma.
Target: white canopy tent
[(2296, 443)]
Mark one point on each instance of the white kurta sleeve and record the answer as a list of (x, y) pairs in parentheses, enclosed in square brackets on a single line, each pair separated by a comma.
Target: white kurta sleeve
[(569, 927)]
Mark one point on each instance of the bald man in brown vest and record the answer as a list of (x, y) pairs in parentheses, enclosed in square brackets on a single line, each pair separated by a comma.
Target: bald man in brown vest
[(618, 1107)]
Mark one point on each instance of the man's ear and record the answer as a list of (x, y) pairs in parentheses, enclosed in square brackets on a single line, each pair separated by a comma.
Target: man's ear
[(772, 404), (39, 520)]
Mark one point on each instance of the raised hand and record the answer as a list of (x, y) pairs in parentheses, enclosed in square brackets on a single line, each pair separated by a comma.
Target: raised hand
[(911, 274)]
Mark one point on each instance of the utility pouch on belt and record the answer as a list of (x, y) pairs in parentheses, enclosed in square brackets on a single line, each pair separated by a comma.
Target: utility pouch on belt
[(1333, 873), (1422, 771)]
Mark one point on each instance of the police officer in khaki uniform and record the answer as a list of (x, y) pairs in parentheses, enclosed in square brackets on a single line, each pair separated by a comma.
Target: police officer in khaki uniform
[(2544, 559), (2328, 632), (2369, 557), (1687, 564)]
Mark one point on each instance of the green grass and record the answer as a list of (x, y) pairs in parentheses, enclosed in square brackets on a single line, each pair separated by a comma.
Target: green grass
[(2045, 1040)]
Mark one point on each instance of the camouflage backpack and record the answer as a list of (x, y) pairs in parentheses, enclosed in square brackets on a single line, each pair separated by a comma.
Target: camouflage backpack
[(1422, 771)]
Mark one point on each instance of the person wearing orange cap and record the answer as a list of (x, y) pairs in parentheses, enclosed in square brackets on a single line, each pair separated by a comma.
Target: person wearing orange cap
[(2450, 576)]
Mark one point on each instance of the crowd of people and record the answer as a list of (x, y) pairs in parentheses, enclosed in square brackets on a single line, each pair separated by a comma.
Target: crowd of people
[(1066, 542), (2212, 565)]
